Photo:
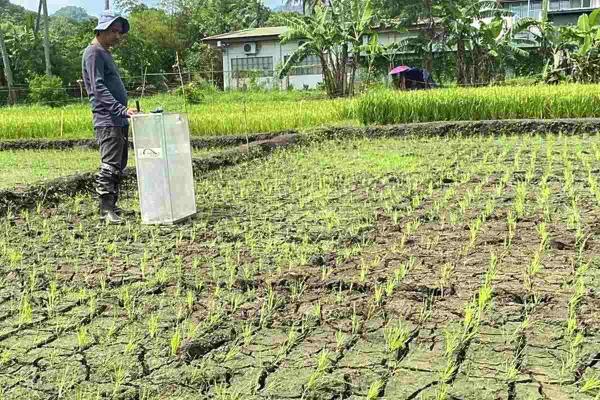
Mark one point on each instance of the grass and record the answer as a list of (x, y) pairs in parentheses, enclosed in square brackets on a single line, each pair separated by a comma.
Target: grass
[(225, 114), (21, 168), (234, 113), (343, 269), (488, 103)]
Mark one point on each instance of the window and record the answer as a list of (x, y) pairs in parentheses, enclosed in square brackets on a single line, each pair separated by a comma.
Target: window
[(536, 10), (261, 65), (311, 65), (581, 3)]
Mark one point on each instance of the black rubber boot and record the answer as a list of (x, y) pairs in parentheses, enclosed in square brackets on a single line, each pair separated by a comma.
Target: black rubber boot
[(107, 210), (119, 211)]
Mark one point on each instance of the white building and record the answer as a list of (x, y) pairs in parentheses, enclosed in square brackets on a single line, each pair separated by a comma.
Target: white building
[(255, 54)]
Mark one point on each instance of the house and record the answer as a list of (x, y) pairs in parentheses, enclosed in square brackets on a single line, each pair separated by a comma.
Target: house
[(253, 56), (560, 12)]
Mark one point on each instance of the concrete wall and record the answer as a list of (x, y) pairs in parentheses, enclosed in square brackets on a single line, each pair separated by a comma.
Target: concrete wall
[(265, 48)]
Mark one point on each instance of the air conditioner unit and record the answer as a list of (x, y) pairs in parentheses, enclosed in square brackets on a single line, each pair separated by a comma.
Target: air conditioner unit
[(250, 48)]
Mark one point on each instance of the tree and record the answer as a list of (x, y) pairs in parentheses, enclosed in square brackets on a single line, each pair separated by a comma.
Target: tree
[(152, 44), (461, 23), (68, 39), (331, 33), (129, 6), (324, 39), (7, 69), (359, 26), (577, 57)]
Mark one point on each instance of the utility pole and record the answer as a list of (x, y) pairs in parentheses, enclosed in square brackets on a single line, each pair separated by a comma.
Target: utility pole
[(107, 4), (44, 5), (7, 70)]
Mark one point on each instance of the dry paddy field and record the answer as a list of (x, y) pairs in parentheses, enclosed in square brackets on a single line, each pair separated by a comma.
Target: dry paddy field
[(416, 268)]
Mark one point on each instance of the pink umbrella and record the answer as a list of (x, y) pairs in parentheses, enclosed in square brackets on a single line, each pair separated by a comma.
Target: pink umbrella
[(399, 70)]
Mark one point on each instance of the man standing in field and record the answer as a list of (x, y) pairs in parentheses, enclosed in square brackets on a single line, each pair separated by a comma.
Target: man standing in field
[(108, 99)]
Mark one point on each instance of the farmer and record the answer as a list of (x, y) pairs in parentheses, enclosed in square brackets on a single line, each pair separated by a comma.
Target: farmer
[(108, 99)]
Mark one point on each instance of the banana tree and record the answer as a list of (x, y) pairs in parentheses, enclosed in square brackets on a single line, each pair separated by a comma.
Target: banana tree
[(321, 37), (578, 57), (332, 33), (358, 26), (461, 22), (494, 47)]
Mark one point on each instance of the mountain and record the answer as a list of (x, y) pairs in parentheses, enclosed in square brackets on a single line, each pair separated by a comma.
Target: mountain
[(12, 11), (72, 12)]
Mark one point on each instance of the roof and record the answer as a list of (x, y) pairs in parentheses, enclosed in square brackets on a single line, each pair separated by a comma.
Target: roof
[(271, 31)]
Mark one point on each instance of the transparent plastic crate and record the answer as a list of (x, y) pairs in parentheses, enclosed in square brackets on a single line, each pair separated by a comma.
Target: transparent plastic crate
[(163, 158)]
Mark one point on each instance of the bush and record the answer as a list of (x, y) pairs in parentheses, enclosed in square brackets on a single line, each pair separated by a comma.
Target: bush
[(520, 81), (197, 91), (47, 90)]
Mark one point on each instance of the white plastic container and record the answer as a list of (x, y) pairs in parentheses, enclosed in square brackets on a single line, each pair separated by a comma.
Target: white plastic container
[(163, 158)]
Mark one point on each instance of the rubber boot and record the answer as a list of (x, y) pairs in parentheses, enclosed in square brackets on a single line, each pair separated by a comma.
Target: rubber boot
[(107, 210), (119, 211)]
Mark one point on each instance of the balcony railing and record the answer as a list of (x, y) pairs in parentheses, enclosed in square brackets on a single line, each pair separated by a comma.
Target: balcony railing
[(533, 8)]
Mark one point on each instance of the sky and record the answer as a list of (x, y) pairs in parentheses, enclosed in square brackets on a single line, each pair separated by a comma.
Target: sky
[(95, 7)]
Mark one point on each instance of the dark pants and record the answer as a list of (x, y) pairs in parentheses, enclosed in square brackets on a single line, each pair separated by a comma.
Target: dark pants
[(114, 147)]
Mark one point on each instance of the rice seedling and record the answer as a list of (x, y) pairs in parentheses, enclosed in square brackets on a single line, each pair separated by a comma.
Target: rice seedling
[(591, 386), (298, 254), (445, 276)]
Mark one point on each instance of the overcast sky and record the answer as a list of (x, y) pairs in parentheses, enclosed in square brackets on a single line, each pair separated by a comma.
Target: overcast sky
[(94, 7)]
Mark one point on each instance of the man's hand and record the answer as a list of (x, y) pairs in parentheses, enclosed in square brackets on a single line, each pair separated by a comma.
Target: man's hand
[(131, 111)]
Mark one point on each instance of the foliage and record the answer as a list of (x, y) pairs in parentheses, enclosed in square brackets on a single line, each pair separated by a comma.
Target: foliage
[(197, 91), (577, 58), (47, 90), (331, 33), (69, 38)]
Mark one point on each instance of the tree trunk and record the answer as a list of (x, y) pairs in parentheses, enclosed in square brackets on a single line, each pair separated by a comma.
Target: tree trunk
[(7, 70), (343, 73), (355, 66), (460, 61), (46, 39), (327, 76)]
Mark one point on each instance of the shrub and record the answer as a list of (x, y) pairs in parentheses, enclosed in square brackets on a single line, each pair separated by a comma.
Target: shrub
[(47, 90), (197, 91)]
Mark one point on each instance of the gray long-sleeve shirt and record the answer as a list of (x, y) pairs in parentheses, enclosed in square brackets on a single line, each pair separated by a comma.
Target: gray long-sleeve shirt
[(105, 88)]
